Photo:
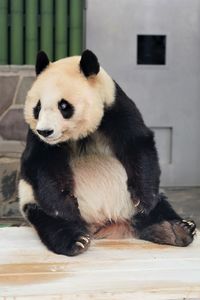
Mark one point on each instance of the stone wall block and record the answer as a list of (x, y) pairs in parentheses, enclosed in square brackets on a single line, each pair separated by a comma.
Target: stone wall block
[(9, 176), (8, 86), (24, 86), (13, 126)]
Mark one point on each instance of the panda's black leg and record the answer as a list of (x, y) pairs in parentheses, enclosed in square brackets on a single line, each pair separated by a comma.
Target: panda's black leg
[(164, 226), (59, 235)]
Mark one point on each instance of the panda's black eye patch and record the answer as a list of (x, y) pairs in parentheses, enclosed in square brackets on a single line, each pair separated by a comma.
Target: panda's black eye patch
[(65, 108), (36, 110)]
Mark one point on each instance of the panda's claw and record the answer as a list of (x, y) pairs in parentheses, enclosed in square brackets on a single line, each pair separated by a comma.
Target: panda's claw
[(82, 244), (137, 203), (190, 226), (189, 223), (83, 241), (84, 238), (194, 233), (186, 221), (79, 244)]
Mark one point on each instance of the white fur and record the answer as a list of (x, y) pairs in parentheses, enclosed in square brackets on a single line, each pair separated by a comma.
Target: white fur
[(64, 80), (25, 193), (101, 184), (101, 189)]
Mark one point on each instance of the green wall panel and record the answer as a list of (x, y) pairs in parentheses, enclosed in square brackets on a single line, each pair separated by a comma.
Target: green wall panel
[(31, 31), (16, 42), (26, 26), (61, 28), (46, 37), (76, 27), (3, 31)]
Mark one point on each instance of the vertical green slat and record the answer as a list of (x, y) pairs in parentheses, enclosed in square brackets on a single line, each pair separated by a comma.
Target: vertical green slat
[(46, 37), (84, 24), (61, 30), (76, 27), (4, 31), (16, 32), (31, 35)]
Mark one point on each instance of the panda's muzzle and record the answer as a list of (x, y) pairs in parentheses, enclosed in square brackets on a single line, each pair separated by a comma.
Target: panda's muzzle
[(45, 133)]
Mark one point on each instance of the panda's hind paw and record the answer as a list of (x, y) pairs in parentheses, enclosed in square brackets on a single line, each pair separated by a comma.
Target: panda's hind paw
[(184, 231)]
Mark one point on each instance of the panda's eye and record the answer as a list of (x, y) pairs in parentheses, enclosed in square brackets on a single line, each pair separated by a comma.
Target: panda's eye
[(66, 109), (36, 110)]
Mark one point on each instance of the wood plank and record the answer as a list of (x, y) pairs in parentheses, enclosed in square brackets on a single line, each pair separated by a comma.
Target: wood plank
[(110, 269)]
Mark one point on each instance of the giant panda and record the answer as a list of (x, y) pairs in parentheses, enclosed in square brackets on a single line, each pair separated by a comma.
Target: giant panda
[(90, 166)]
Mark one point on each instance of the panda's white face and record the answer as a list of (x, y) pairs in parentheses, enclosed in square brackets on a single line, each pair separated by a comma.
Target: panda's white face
[(63, 104)]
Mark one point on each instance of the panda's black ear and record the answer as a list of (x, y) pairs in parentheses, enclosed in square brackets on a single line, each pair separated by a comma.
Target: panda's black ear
[(89, 64), (42, 62)]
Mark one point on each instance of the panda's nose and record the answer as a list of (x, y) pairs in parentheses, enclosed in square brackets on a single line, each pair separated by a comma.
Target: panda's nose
[(45, 133)]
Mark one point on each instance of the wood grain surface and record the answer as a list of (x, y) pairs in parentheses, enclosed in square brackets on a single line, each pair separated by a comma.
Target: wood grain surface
[(110, 269)]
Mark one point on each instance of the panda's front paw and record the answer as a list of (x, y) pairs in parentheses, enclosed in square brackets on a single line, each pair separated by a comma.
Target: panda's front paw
[(60, 236), (66, 243)]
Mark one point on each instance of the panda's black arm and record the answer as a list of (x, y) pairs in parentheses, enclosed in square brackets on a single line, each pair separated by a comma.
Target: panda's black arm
[(47, 169), (133, 144)]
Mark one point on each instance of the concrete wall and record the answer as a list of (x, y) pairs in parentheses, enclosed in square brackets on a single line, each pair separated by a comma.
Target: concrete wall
[(167, 95), (14, 83)]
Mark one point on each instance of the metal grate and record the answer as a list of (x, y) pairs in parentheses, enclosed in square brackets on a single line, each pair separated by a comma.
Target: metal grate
[(26, 26)]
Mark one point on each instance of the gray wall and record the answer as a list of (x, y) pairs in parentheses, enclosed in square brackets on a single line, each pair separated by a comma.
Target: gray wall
[(169, 95)]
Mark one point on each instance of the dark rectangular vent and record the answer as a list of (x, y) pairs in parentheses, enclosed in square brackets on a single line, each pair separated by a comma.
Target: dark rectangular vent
[(151, 49)]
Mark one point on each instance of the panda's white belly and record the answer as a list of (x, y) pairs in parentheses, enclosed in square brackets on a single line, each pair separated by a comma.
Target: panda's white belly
[(101, 188)]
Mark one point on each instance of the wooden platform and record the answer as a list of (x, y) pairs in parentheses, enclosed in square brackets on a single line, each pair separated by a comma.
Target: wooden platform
[(114, 270)]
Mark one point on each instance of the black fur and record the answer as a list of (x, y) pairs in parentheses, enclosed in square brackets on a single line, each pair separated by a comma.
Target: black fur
[(52, 182), (57, 220), (36, 110), (133, 144), (42, 62), (66, 109), (58, 235), (161, 212), (89, 64)]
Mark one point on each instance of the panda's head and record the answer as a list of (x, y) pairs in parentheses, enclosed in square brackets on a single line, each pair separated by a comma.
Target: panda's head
[(68, 97)]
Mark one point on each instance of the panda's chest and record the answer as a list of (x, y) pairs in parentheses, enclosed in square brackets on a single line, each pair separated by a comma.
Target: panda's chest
[(100, 182)]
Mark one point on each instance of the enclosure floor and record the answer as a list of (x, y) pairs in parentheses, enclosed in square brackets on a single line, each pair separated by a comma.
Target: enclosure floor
[(110, 269)]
